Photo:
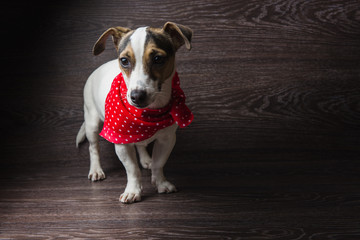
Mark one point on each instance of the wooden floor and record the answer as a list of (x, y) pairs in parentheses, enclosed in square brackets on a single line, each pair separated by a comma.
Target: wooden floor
[(273, 152), (237, 199)]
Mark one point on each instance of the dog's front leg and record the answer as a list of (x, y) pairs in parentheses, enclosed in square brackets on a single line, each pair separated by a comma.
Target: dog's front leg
[(127, 155), (162, 149)]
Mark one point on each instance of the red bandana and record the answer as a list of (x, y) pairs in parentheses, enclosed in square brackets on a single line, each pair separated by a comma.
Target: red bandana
[(127, 124)]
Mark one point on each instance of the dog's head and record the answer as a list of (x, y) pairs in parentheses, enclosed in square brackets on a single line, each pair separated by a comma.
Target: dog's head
[(147, 60)]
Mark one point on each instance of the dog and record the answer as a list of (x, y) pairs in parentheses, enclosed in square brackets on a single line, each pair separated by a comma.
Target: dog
[(138, 99)]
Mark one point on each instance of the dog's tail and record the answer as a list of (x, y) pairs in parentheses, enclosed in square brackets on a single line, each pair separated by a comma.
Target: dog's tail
[(81, 135)]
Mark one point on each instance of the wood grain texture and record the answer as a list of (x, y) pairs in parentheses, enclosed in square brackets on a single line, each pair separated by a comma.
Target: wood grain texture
[(272, 153), (252, 200)]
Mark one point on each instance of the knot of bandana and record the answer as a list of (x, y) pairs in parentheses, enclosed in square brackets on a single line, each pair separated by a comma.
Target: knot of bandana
[(125, 123)]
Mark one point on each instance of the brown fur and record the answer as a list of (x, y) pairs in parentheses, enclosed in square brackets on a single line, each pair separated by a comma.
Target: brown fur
[(158, 72), (128, 53)]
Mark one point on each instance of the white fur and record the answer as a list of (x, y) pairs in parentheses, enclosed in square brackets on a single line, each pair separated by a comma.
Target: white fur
[(138, 77), (95, 92)]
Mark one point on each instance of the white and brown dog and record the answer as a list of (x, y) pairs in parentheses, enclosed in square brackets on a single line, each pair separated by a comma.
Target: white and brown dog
[(139, 103)]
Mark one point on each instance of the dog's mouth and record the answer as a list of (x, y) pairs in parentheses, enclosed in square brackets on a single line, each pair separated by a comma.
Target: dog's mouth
[(139, 106)]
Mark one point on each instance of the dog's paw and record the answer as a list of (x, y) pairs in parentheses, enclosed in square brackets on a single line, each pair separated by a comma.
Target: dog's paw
[(130, 197), (96, 174), (146, 162), (166, 187)]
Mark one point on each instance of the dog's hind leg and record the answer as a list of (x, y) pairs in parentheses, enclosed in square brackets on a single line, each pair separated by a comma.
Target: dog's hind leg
[(161, 152), (92, 128), (144, 156)]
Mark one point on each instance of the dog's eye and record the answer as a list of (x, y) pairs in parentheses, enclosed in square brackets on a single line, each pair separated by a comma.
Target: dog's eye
[(158, 59), (125, 62)]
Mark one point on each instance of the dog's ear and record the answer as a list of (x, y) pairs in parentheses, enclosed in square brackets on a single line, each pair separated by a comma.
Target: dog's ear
[(116, 32), (179, 34)]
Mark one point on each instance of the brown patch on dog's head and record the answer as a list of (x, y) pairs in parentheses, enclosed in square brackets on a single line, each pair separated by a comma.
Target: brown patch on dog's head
[(160, 48), (159, 55), (127, 59)]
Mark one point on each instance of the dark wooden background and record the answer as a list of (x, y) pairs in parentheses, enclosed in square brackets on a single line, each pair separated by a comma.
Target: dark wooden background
[(273, 152)]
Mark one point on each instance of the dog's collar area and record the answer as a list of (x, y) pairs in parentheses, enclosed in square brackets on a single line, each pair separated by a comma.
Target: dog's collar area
[(145, 114), (125, 123)]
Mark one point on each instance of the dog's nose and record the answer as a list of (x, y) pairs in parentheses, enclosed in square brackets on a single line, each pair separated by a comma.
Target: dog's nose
[(138, 97)]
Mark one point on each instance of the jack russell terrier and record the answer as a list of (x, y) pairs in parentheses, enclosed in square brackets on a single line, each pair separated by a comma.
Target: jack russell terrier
[(139, 103)]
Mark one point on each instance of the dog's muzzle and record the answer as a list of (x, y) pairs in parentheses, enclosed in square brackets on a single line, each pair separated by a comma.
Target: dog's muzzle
[(138, 98)]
